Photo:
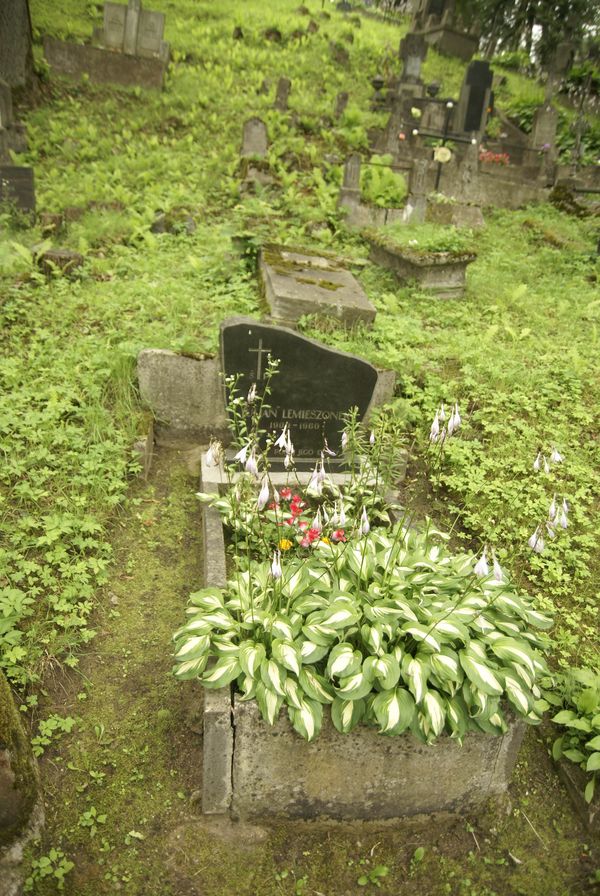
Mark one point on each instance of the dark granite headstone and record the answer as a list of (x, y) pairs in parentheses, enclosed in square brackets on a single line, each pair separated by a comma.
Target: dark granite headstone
[(17, 187), (313, 388), (475, 97)]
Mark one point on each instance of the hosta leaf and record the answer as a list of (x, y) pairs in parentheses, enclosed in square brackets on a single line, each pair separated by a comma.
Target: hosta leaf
[(307, 719), (434, 709), (589, 789), (251, 656), (193, 648), (273, 675), (343, 660), (593, 763), (594, 743), (195, 627), (510, 649), (458, 717), (539, 619), (564, 716), (416, 674), (223, 672), (191, 668), (346, 714), (423, 634), (516, 695), (354, 687), (384, 668), (557, 748), (286, 654), (451, 628), (394, 710), (340, 614), (293, 692), (247, 687), (308, 603), (480, 674), (281, 628), (575, 755), (319, 634), (218, 619), (315, 686), (446, 665), (207, 599), (269, 703), (580, 725), (312, 653)]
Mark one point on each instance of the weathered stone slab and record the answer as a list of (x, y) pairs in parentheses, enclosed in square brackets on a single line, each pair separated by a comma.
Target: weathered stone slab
[(444, 275), (63, 261), (358, 775), (313, 389), (104, 66), (297, 283), (184, 393), (17, 187)]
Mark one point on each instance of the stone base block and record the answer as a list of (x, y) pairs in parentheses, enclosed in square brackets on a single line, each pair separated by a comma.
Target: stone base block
[(444, 275), (361, 775), (104, 66)]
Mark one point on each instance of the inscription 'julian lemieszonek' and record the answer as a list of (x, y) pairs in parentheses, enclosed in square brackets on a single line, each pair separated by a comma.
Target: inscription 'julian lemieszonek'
[(313, 389)]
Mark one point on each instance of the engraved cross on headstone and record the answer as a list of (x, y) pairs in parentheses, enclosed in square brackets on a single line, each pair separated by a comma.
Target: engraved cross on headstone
[(260, 351)]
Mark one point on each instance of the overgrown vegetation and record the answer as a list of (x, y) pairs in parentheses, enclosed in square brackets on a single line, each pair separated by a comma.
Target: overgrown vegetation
[(519, 352)]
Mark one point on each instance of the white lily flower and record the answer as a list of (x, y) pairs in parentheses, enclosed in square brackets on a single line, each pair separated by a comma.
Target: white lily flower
[(482, 568), (322, 473), (344, 440), (364, 522), (251, 397), (317, 523), (536, 541), (537, 464), (443, 435), (372, 438), (442, 412), (314, 485), (343, 518), (454, 421), (565, 505), (435, 428), (556, 457), (327, 450), (552, 509), (289, 447), (276, 571), (563, 520), (287, 461), (263, 495), (550, 529), (546, 465), (243, 454), (214, 454), (281, 442), (276, 497)]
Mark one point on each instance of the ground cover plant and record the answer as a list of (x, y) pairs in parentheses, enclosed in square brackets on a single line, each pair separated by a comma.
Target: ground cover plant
[(519, 353)]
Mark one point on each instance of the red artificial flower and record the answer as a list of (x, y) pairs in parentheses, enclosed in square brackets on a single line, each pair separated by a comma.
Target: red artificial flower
[(285, 493), (313, 534), (338, 535), (305, 543), (272, 505), (303, 525)]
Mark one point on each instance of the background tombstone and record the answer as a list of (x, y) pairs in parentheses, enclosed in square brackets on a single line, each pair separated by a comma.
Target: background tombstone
[(12, 134), (284, 85), (16, 57), (313, 388), (133, 30), (474, 100), (413, 51), (341, 101), (254, 138), (17, 188), (416, 204)]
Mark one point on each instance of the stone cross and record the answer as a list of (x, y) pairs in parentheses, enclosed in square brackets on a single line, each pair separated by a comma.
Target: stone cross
[(284, 85), (260, 351)]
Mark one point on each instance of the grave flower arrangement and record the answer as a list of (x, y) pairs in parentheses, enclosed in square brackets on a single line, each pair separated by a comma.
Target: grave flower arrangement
[(375, 619)]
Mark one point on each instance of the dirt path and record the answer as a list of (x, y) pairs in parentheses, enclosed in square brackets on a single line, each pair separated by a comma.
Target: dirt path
[(122, 791)]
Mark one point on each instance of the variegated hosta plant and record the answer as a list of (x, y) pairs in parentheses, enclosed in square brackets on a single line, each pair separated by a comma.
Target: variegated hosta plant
[(390, 629)]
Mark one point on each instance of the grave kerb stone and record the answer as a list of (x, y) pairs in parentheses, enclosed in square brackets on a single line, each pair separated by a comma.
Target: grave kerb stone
[(254, 138)]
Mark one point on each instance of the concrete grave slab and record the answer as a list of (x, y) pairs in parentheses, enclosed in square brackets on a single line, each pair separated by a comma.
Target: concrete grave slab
[(17, 187), (104, 66), (297, 283)]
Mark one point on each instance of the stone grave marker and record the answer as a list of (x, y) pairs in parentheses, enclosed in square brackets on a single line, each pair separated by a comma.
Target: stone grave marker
[(133, 30), (17, 187), (12, 133), (297, 283), (254, 138), (16, 57), (312, 390), (474, 100), (413, 51), (284, 85), (341, 101)]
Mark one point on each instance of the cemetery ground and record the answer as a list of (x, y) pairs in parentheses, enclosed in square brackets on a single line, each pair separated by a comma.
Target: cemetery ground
[(102, 563)]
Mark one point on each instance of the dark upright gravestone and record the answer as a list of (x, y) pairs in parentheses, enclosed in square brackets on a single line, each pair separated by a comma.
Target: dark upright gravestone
[(17, 188), (471, 115), (312, 390), (284, 85), (413, 50), (16, 57)]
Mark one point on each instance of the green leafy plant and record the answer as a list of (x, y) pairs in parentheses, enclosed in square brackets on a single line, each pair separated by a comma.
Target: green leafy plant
[(54, 864), (578, 693), (380, 185), (425, 240)]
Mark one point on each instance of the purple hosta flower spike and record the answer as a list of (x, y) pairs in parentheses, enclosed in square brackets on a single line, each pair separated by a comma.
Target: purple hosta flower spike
[(443, 435), (287, 461), (317, 523), (454, 421), (442, 412), (314, 486), (281, 442), (276, 497), (550, 529), (251, 397), (321, 473), (344, 440), (536, 541), (263, 495), (546, 465), (327, 450), (556, 457), (364, 522), (372, 438), (251, 466), (482, 568), (563, 518), (342, 519), (498, 571), (552, 509), (435, 428), (537, 464), (276, 565), (243, 454)]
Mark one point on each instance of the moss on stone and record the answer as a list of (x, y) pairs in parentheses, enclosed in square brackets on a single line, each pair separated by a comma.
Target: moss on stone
[(14, 740)]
